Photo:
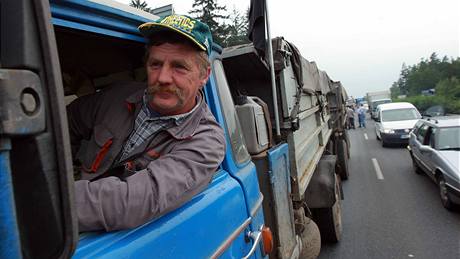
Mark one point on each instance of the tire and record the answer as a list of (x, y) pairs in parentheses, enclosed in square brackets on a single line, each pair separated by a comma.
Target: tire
[(348, 142), (445, 200), (342, 160), (311, 241), (384, 144), (329, 220)]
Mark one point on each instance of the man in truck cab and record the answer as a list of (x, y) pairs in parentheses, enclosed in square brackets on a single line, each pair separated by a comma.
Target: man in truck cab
[(145, 149)]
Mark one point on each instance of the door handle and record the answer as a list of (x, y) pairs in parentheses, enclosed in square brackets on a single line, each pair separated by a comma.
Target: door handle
[(265, 234), (256, 236)]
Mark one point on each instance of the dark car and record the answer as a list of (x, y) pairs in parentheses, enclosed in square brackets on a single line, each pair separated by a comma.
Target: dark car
[(434, 146), (434, 111)]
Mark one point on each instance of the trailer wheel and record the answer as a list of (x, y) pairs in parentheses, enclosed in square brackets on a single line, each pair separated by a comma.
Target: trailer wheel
[(311, 240), (329, 220), (342, 159)]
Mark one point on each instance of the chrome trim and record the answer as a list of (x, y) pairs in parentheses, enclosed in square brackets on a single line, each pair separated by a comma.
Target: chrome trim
[(451, 186), (226, 244), (256, 236), (257, 205)]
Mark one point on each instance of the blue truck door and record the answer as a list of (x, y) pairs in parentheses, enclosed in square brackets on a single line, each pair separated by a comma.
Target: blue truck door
[(237, 160), (213, 224), (35, 166)]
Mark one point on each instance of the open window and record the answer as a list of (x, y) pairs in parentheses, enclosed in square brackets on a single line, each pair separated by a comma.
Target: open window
[(421, 133), (428, 136)]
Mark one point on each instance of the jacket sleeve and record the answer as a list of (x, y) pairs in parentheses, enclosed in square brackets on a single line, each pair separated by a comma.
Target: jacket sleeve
[(167, 183)]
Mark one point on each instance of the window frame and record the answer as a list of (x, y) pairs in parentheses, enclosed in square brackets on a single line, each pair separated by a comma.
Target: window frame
[(240, 153)]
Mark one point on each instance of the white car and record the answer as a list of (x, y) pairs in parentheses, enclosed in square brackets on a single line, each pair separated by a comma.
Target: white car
[(394, 121)]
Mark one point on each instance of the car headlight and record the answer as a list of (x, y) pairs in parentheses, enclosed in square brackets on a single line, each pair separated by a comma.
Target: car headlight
[(407, 130), (388, 131)]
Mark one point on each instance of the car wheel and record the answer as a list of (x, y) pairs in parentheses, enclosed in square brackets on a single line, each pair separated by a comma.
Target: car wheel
[(446, 202), (377, 136)]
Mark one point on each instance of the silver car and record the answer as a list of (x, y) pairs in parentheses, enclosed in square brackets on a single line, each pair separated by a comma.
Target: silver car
[(434, 145)]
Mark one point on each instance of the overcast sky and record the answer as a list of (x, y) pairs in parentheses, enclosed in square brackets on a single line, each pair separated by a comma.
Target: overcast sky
[(361, 43)]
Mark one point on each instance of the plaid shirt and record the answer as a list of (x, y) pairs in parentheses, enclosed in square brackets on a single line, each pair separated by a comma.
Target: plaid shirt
[(147, 123)]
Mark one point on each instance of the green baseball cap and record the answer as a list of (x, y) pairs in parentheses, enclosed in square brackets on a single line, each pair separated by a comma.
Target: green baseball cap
[(191, 28)]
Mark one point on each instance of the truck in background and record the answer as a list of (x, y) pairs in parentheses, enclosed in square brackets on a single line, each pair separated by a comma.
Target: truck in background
[(376, 98), (288, 182)]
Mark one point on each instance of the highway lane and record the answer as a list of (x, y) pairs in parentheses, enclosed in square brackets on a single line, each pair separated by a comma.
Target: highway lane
[(395, 214)]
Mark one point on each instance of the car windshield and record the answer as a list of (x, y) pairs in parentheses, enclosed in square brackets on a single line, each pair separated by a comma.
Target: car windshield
[(400, 114), (448, 138)]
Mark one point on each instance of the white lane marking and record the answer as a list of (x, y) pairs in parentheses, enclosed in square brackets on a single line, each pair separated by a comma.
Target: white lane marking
[(365, 136), (377, 169)]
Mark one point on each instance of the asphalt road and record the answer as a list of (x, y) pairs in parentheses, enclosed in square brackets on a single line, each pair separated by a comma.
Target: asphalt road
[(395, 214)]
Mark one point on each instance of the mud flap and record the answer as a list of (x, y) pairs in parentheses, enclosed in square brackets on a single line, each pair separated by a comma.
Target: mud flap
[(321, 190)]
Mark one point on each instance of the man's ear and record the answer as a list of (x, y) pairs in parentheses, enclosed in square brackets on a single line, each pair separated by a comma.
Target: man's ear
[(206, 76)]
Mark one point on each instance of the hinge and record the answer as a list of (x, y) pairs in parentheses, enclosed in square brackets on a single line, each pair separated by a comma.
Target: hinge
[(21, 103)]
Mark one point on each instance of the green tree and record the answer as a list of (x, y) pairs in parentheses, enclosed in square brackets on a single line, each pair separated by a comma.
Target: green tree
[(452, 68), (401, 83), (211, 13), (422, 77), (441, 74), (426, 74), (140, 4), (237, 29), (395, 90), (449, 87)]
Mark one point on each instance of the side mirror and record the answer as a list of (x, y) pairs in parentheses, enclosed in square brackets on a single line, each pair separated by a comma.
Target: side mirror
[(424, 148)]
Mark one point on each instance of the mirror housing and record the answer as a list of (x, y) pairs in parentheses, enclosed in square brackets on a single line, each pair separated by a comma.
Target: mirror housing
[(425, 148)]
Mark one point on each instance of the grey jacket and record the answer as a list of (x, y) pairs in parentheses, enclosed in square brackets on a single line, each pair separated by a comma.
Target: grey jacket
[(159, 176)]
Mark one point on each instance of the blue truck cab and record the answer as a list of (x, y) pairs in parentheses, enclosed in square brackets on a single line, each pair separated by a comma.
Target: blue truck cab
[(49, 51)]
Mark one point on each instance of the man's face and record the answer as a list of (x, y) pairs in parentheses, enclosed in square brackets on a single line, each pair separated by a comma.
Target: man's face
[(174, 78)]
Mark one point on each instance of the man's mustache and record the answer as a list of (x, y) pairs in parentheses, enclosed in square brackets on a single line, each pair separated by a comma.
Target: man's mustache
[(153, 89), (158, 89)]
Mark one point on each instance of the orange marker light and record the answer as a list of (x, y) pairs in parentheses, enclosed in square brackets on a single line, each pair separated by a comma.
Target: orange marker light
[(267, 239)]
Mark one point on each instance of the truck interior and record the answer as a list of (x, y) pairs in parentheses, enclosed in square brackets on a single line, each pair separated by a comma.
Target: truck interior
[(112, 60)]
